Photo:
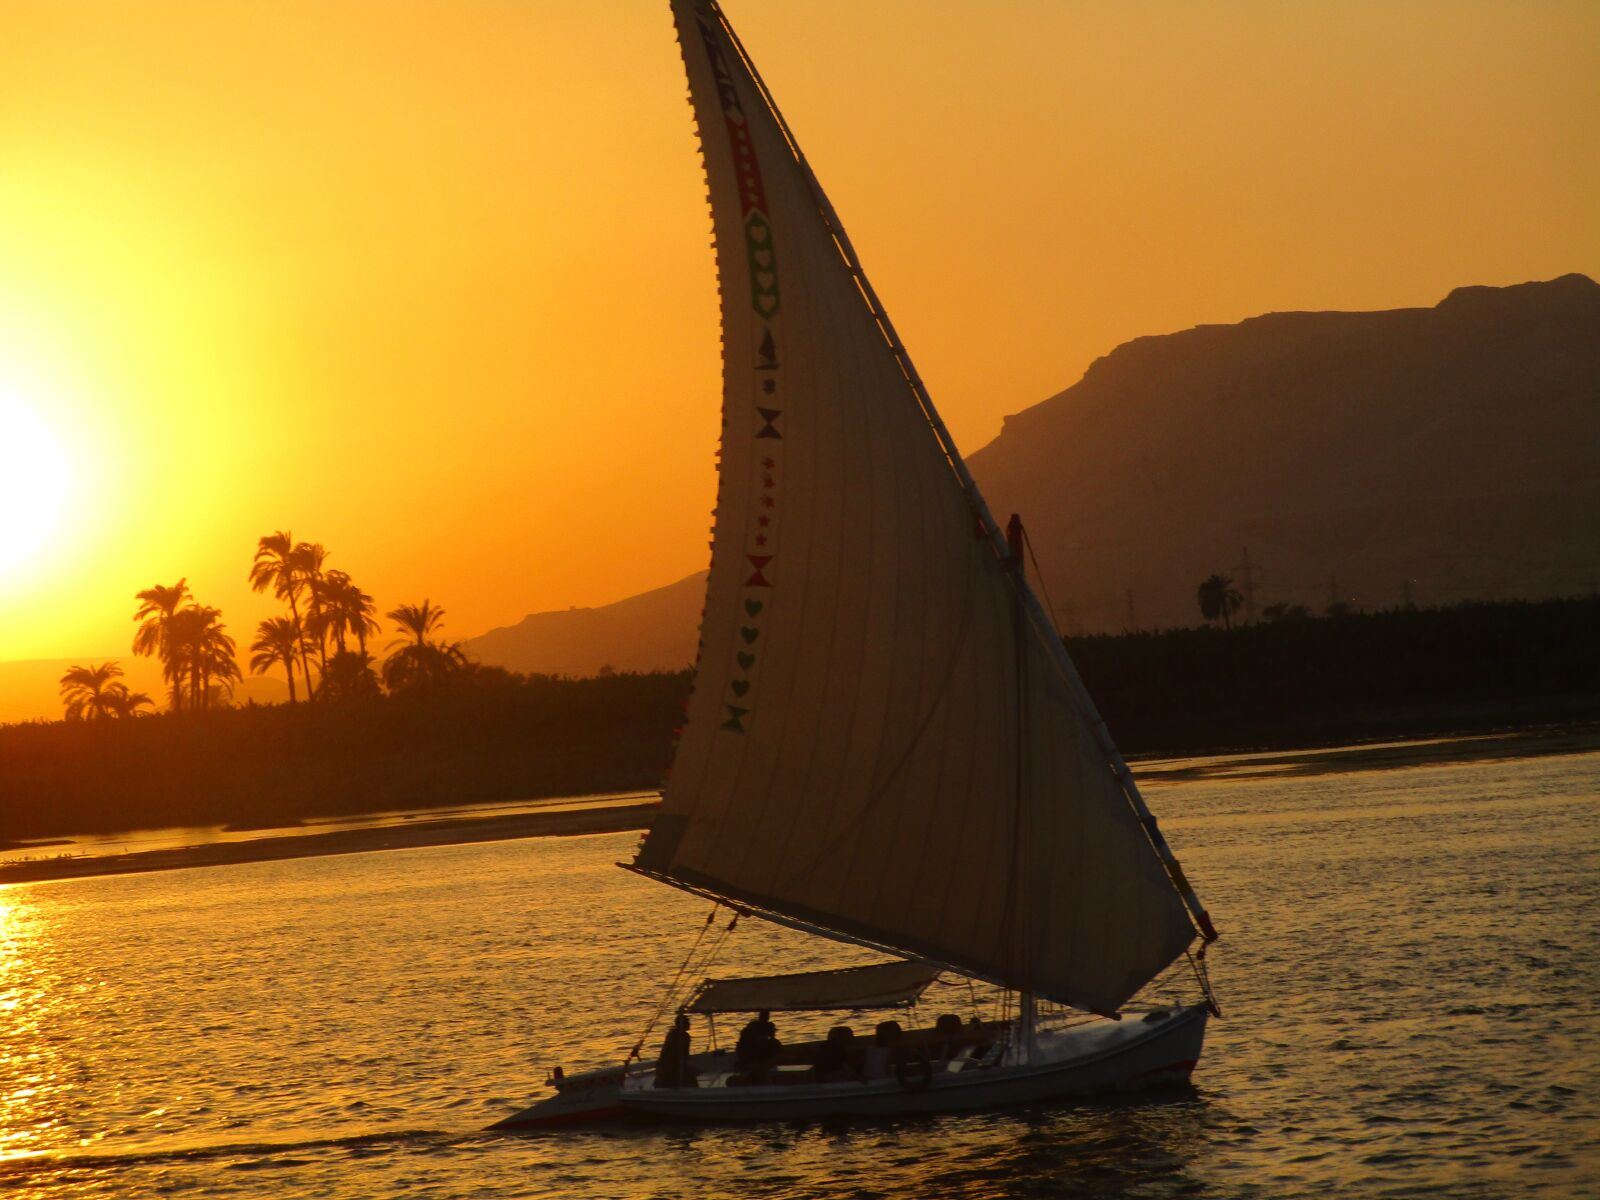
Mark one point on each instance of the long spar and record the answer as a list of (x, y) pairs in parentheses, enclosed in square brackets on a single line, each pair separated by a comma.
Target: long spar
[(997, 539)]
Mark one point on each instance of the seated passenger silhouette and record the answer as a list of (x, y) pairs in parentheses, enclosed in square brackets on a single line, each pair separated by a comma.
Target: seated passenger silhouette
[(758, 1048), (836, 1061), (673, 1068), (949, 1038), (880, 1056)]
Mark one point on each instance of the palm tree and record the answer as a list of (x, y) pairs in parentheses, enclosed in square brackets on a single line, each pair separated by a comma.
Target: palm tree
[(277, 643), (417, 662), (344, 609), (417, 620), (277, 566), (156, 606), (306, 561), (203, 655), (349, 677), (127, 704), (88, 692), (1219, 598)]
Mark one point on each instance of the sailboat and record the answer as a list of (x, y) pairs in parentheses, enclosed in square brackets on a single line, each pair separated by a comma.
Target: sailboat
[(887, 744)]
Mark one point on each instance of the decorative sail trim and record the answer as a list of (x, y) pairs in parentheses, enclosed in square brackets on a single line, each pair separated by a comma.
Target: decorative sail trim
[(882, 742)]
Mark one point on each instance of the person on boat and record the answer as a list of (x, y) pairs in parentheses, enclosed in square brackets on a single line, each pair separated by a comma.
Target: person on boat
[(949, 1037), (836, 1061), (673, 1068), (880, 1056), (758, 1047)]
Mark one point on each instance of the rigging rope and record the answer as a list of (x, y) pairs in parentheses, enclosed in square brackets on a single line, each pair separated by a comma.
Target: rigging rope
[(672, 988), (1203, 977), (706, 958), (1050, 605)]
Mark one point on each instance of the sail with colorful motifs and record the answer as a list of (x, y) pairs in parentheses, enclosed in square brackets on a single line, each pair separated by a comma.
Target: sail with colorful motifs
[(886, 742)]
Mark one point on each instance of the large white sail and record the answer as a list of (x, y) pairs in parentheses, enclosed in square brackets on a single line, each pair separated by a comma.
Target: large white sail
[(881, 742)]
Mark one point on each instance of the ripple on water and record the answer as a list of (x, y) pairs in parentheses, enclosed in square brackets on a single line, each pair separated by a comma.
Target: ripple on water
[(1407, 969)]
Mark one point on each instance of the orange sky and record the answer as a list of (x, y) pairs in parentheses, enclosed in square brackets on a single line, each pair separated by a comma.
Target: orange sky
[(431, 282)]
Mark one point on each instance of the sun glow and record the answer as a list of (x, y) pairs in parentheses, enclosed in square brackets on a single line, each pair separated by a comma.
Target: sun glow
[(35, 479)]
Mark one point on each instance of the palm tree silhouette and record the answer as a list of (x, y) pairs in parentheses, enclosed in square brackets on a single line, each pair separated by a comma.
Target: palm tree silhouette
[(90, 693), (1218, 598), (156, 606), (417, 620), (203, 655), (277, 643), (417, 662), (349, 677), (278, 565), (306, 560), (343, 609), (127, 704)]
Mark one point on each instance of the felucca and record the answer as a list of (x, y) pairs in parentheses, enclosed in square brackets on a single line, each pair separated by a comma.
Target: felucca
[(887, 744)]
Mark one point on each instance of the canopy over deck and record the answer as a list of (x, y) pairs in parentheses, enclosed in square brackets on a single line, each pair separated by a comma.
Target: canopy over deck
[(881, 985)]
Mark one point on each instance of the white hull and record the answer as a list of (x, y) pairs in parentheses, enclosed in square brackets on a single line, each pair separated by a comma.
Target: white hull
[(1102, 1056)]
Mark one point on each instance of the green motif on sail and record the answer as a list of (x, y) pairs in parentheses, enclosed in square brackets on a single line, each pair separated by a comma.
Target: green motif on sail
[(763, 264)]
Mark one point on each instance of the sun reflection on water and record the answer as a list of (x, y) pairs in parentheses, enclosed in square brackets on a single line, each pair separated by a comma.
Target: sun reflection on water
[(32, 1090)]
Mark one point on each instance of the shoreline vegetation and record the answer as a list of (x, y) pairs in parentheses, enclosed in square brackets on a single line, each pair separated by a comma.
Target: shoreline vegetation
[(481, 734)]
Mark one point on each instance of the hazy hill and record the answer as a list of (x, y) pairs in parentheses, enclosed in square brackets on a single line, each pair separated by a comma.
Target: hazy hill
[(1457, 447), (655, 631)]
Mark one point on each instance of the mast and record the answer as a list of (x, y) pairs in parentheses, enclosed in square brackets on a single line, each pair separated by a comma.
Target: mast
[(997, 538), (1024, 1044)]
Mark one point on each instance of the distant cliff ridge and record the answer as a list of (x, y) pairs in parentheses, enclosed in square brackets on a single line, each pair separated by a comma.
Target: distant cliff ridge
[(1451, 452), (654, 631)]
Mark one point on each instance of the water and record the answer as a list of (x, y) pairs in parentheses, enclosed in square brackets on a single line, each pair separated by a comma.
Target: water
[(1409, 972), (136, 841)]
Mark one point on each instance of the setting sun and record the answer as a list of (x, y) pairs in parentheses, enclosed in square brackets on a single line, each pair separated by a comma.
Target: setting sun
[(35, 479)]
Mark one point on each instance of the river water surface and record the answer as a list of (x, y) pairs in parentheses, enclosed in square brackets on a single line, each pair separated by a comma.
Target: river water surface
[(1409, 969)]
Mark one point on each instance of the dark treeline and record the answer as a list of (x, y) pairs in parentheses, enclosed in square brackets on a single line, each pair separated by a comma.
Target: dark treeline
[(493, 735), (485, 734), (1308, 681)]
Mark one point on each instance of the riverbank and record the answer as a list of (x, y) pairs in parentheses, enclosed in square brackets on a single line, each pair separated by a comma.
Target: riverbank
[(401, 831), (447, 831)]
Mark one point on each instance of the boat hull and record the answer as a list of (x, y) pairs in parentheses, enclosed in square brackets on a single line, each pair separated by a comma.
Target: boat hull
[(1129, 1056), (585, 1099), (1102, 1057)]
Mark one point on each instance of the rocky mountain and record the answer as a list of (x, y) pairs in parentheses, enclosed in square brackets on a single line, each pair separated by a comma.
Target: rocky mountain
[(656, 630), (1442, 453)]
